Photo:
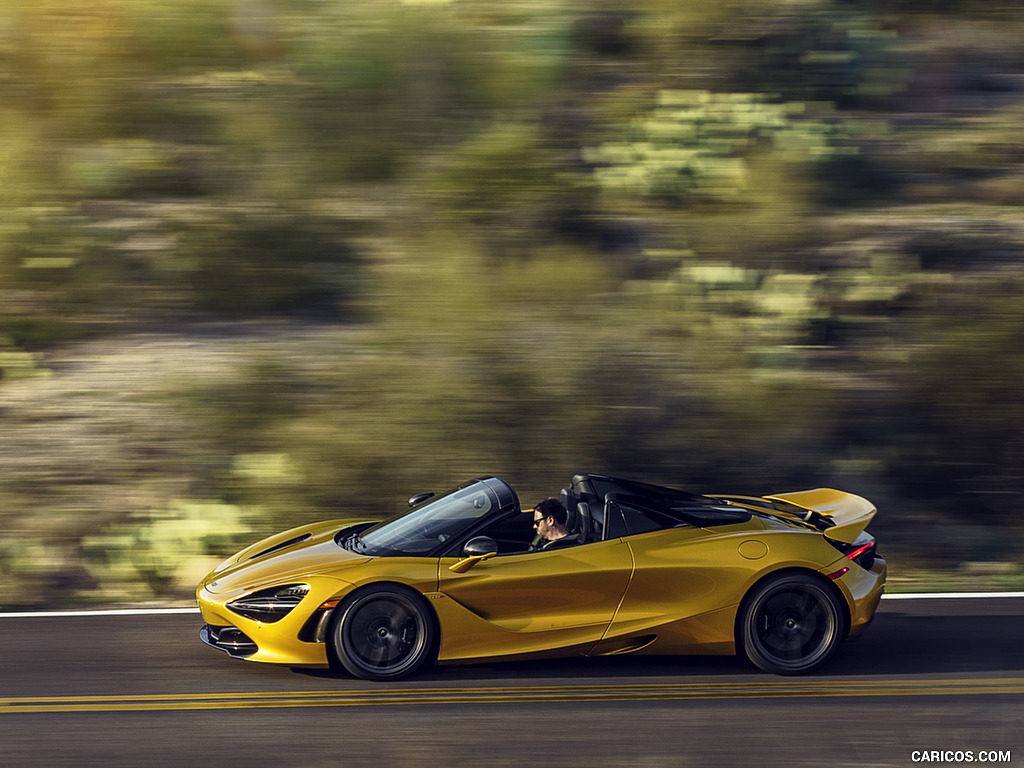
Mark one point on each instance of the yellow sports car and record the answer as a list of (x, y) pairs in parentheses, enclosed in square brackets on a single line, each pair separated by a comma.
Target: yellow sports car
[(629, 568)]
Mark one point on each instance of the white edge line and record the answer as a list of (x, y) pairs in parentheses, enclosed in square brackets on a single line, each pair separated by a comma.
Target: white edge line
[(99, 612), (946, 595), (169, 611)]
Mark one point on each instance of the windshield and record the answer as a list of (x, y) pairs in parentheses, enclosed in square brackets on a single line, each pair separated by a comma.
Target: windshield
[(426, 526)]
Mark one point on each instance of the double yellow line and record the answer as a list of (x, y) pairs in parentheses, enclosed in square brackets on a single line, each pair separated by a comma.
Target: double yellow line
[(517, 694)]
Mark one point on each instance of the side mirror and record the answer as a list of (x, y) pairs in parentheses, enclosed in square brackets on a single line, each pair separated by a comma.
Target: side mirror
[(419, 498), (477, 550), (479, 545)]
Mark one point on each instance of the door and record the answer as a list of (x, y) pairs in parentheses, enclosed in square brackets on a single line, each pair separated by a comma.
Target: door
[(532, 601)]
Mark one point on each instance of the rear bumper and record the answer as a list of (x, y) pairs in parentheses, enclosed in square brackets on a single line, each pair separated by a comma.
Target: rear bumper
[(865, 593)]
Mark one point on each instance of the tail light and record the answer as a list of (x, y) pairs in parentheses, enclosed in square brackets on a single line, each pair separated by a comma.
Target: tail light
[(861, 552)]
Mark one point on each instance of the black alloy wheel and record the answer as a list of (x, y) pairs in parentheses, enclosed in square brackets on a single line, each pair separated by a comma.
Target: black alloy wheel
[(383, 633), (790, 624)]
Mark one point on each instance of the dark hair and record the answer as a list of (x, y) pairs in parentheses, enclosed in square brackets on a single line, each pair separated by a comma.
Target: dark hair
[(552, 508)]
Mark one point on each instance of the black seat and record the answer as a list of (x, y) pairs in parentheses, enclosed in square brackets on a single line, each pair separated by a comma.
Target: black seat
[(583, 513), (572, 520), (568, 499)]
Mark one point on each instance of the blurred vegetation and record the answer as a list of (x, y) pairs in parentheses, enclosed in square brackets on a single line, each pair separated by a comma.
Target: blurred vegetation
[(263, 262)]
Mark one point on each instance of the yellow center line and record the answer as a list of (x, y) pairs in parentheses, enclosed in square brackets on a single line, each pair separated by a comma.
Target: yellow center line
[(513, 694)]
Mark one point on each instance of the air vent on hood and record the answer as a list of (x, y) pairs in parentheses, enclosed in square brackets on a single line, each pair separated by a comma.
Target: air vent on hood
[(282, 545)]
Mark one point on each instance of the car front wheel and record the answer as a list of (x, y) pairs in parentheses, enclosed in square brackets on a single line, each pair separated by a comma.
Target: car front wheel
[(383, 633), (790, 624)]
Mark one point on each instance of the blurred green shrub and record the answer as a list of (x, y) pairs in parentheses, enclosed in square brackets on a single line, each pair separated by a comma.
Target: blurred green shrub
[(262, 260), (17, 364), (239, 412), (163, 553), (69, 263), (818, 51), (957, 420), (383, 86), (693, 145)]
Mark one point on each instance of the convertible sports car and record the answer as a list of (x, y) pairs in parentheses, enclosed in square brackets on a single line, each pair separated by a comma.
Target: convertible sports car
[(646, 569)]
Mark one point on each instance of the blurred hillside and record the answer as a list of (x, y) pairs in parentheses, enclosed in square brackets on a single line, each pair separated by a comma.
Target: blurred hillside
[(263, 262)]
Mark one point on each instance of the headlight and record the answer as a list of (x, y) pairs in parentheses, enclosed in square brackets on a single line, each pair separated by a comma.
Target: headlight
[(270, 605)]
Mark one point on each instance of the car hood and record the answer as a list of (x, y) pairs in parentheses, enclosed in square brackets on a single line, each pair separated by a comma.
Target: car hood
[(293, 554)]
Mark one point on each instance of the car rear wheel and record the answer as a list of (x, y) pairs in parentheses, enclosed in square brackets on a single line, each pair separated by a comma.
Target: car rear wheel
[(383, 633), (790, 624)]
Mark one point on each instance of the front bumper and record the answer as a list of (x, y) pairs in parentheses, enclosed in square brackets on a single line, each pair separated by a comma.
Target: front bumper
[(297, 639), (231, 640)]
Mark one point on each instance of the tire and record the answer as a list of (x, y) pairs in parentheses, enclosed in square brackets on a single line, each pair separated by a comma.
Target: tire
[(383, 633), (790, 624)]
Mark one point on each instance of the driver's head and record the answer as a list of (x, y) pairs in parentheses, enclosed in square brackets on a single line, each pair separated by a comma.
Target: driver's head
[(549, 516)]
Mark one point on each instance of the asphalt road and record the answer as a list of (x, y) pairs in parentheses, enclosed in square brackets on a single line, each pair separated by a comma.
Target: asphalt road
[(941, 677)]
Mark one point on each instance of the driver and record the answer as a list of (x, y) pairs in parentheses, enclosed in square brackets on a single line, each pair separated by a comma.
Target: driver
[(549, 518)]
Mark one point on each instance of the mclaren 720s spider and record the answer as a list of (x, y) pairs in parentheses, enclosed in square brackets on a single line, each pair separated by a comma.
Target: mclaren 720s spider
[(642, 569)]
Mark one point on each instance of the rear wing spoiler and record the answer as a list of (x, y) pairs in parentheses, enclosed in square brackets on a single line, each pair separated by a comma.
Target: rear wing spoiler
[(838, 515)]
